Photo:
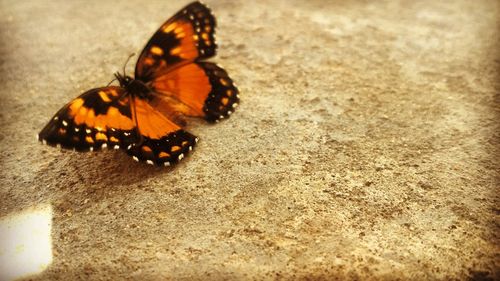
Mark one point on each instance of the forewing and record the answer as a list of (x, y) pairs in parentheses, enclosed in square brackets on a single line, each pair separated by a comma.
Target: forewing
[(187, 36), (202, 88), (96, 119)]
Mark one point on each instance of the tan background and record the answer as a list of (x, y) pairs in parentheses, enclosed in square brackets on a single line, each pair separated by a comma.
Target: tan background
[(366, 145)]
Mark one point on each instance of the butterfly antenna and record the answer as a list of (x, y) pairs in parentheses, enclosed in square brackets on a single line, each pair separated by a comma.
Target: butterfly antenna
[(114, 79), (129, 57)]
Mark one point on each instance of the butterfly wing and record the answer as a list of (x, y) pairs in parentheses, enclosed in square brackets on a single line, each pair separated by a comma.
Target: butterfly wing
[(105, 117), (162, 141), (201, 89), (187, 36), (96, 119)]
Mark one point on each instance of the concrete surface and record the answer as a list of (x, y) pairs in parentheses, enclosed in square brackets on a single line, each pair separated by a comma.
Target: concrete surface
[(366, 145)]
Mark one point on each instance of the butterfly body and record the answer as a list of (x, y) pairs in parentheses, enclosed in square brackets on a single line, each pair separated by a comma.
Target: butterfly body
[(144, 114), (134, 87)]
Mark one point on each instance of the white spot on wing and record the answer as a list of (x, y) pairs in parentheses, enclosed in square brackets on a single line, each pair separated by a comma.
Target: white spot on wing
[(88, 131), (166, 164), (91, 148), (104, 145), (116, 147), (181, 156), (77, 129), (149, 162), (64, 123), (135, 158), (235, 105)]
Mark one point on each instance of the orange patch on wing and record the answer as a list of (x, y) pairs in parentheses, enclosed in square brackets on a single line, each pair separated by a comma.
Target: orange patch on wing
[(163, 154), (89, 139), (187, 47), (168, 28), (115, 119), (81, 114), (75, 106), (224, 82), (113, 92), (104, 96), (155, 50), (90, 118), (151, 122), (112, 119), (175, 51), (101, 136), (188, 84)]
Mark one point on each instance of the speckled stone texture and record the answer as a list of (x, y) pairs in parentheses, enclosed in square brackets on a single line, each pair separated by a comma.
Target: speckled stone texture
[(365, 147)]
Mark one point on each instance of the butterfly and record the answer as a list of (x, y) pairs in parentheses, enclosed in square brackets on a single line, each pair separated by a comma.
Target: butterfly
[(144, 115)]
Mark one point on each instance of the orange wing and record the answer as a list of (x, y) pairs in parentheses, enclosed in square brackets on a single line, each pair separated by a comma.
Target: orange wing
[(96, 119), (162, 141), (105, 117), (200, 89), (185, 37)]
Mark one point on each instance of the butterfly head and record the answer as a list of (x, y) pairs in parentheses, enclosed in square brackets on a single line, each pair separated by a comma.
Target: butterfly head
[(123, 79)]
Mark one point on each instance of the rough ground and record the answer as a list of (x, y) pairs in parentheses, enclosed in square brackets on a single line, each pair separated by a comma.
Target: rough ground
[(366, 144)]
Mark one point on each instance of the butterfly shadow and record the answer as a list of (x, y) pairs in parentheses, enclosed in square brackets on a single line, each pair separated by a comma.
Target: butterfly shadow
[(77, 177)]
